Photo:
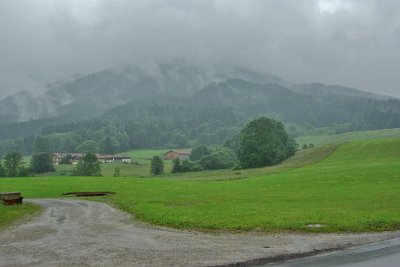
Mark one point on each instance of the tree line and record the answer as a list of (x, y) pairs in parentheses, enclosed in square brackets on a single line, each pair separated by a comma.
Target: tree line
[(13, 166), (262, 142), (208, 117)]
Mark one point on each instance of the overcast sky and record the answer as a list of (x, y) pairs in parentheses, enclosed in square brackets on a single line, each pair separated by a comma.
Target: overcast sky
[(352, 43)]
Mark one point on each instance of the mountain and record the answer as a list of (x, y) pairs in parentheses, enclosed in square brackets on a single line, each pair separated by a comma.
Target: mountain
[(89, 96), (176, 104), (319, 89)]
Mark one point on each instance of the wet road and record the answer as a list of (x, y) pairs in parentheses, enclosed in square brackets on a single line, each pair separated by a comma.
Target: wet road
[(382, 254)]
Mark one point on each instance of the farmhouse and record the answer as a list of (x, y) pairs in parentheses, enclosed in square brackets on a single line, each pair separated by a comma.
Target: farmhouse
[(117, 159), (174, 154), (76, 157)]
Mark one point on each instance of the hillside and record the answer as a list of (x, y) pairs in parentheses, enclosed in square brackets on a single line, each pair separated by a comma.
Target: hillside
[(326, 138), (356, 188), (179, 104)]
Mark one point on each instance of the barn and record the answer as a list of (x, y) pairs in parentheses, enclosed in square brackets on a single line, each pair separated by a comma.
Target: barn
[(174, 154)]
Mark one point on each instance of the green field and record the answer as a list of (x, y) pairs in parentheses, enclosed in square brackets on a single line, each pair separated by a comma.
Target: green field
[(320, 138), (140, 167), (356, 188), (9, 214), (139, 170)]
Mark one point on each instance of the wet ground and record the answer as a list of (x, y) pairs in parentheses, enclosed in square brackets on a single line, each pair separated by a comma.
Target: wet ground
[(74, 232), (384, 254)]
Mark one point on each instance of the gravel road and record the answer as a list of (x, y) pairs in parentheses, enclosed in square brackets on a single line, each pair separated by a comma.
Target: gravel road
[(85, 233)]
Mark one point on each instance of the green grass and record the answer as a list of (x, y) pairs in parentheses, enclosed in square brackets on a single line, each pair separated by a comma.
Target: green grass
[(325, 138), (139, 170), (356, 188), (9, 214)]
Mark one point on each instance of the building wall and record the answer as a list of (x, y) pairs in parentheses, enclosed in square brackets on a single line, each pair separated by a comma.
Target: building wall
[(174, 155), (171, 155)]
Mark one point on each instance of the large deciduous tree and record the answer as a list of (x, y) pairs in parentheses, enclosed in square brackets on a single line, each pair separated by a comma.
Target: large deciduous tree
[(41, 163), (264, 142)]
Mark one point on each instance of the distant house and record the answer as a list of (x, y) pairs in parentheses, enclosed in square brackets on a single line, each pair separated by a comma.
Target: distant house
[(102, 158), (174, 154), (76, 157), (118, 159)]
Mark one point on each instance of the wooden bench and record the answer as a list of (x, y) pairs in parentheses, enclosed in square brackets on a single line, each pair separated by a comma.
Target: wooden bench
[(11, 198)]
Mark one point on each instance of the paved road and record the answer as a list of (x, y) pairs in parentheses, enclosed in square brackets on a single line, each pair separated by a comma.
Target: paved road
[(382, 254), (83, 233)]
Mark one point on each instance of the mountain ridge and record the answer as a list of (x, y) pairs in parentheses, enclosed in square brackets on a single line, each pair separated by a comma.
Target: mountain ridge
[(90, 95)]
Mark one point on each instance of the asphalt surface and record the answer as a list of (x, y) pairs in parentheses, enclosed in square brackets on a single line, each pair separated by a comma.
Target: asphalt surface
[(383, 254), (73, 232)]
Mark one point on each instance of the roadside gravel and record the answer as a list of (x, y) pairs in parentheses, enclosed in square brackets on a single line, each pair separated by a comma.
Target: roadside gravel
[(86, 233)]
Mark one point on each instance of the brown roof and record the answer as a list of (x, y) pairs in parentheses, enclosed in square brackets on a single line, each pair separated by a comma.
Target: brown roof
[(179, 152)]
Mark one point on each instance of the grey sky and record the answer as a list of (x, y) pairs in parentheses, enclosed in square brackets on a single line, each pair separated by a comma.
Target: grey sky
[(353, 43)]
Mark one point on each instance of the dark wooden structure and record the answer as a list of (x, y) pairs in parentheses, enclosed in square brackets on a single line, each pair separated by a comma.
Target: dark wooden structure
[(89, 194), (11, 198)]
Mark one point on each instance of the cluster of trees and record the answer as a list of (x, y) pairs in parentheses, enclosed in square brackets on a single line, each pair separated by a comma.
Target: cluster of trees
[(112, 137), (262, 142), (206, 158), (42, 162), (208, 116)]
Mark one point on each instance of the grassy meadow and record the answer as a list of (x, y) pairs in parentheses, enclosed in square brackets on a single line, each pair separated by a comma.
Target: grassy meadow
[(356, 188), (320, 138), (9, 214)]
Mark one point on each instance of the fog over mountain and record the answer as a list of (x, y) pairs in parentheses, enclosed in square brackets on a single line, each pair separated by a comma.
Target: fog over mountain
[(340, 42)]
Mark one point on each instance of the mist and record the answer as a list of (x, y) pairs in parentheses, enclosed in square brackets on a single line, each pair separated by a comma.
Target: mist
[(350, 43)]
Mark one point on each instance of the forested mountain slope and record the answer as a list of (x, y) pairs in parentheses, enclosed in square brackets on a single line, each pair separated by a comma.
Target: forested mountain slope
[(178, 104)]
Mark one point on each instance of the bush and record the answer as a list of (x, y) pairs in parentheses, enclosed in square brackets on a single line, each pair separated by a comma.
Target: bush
[(12, 164), (24, 171), (198, 152), (185, 166), (88, 166), (42, 163), (188, 166), (176, 166), (117, 171)]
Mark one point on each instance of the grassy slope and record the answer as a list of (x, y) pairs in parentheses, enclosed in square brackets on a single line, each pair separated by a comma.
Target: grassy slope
[(322, 139), (357, 188), (9, 214), (141, 170)]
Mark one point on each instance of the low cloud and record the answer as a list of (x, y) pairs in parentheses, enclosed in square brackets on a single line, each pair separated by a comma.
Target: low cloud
[(354, 43)]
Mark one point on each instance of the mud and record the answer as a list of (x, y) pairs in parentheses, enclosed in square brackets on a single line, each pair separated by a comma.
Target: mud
[(85, 233)]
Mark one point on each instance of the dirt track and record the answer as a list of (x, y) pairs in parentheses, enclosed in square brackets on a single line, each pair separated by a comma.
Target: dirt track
[(84, 233)]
